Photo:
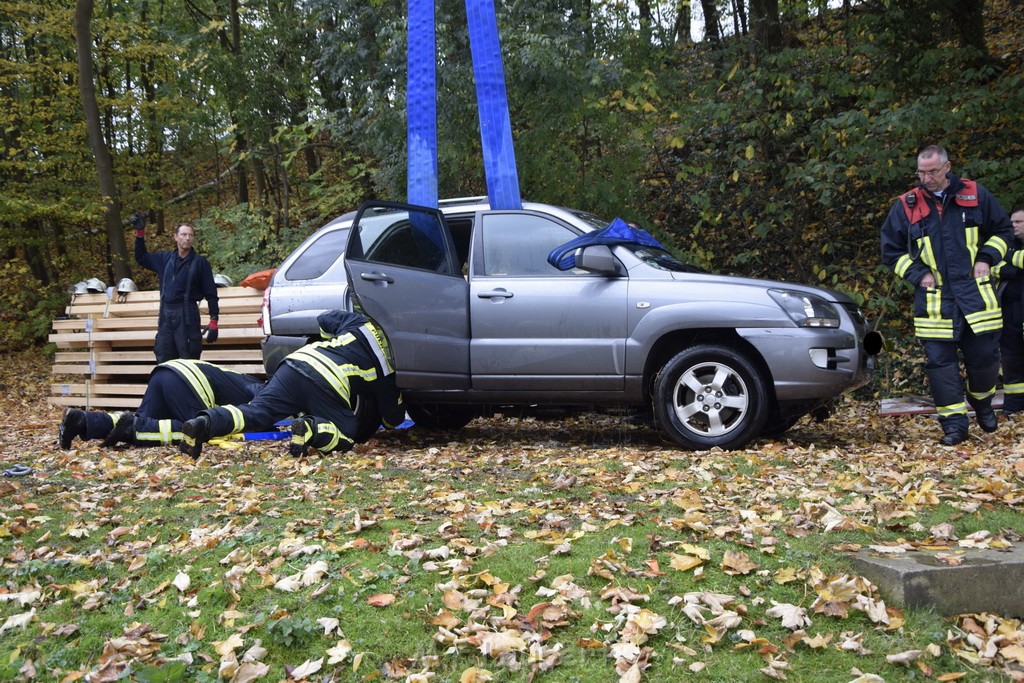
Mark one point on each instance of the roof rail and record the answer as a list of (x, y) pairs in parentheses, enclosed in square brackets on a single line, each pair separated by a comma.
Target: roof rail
[(462, 200)]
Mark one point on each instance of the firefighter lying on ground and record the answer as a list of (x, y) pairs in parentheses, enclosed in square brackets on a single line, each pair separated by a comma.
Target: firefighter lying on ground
[(318, 383), (177, 390)]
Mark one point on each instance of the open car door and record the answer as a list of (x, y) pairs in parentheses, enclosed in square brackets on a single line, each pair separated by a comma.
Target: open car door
[(403, 273)]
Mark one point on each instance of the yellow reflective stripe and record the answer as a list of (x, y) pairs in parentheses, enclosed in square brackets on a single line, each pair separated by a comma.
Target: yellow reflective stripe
[(237, 418), (930, 328), (382, 350), (950, 410), (1018, 258), (985, 321), (196, 379), (1015, 388), (330, 430), (166, 433), (998, 243), (928, 256), (988, 294), (971, 236), (983, 395), (335, 375), (326, 369), (903, 265), (933, 304)]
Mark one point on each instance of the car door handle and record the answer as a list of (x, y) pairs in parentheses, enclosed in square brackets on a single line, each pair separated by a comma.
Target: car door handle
[(495, 294), (377, 277)]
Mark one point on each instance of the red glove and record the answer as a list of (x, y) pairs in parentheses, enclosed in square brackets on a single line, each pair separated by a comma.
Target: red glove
[(211, 331)]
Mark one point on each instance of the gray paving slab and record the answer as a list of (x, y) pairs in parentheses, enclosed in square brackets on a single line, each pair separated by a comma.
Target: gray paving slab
[(985, 580)]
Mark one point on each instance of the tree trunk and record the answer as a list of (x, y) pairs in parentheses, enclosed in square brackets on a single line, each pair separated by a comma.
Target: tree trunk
[(765, 24), (681, 28), (968, 16), (104, 163), (712, 31)]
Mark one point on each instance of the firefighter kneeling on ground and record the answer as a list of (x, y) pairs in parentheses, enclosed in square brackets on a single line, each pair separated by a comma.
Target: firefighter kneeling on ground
[(177, 390), (319, 382)]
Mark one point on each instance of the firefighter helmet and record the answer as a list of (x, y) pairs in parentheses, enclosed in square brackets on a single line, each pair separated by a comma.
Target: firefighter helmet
[(95, 285), (78, 288), (125, 285), (222, 280)]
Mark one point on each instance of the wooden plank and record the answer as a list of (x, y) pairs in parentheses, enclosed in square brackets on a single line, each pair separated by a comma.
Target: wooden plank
[(96, 402), (920, 405), (109, 345), (79, 389)]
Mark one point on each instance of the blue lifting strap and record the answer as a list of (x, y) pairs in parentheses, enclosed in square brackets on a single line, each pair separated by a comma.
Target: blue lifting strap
[(492, 105), (421, 105)]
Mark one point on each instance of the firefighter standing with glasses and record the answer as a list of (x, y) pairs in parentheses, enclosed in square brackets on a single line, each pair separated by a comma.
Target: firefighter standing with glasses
[(186, 278), (176, 391), (320, 382), (944, 237)]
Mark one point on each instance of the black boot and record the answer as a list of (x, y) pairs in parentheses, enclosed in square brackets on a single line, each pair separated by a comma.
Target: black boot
[(987, 418), (302, 434), (953, 437), (194, 433), (72, 424), (123, 431)]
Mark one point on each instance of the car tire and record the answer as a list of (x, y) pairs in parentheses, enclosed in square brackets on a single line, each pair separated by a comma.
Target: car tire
[(710, 396), (367, 418), (440, 415)]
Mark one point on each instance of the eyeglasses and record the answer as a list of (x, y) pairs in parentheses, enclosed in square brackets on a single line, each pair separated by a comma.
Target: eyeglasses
[(932, 173)]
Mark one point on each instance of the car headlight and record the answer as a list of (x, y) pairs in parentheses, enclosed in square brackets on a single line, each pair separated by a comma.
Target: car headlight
[(806, 310)]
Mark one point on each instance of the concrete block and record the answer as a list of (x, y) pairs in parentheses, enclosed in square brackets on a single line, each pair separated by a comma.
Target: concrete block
[(986, 580)]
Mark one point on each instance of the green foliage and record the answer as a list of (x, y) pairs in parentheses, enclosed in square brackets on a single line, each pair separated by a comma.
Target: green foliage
[(779, 164), (239, 241), (292, 632), (787, 164)]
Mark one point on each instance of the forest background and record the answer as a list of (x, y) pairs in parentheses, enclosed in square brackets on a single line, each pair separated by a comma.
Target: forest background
[(772, 145)]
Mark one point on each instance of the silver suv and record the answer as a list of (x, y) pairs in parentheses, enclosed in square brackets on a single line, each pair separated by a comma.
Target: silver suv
[(480, 320)]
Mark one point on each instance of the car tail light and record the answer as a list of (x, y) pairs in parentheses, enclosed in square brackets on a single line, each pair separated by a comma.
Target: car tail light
[(265, 315)]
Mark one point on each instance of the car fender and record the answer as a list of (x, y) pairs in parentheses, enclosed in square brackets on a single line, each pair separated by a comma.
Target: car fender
[(670, 319)]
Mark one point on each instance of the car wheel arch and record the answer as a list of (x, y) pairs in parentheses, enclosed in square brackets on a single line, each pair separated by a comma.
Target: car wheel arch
[(671, 344)]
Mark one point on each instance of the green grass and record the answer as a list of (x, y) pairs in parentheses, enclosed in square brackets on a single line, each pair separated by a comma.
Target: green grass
[(471, 528)]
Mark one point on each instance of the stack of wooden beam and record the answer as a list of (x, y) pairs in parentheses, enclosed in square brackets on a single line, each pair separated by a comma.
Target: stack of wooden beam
[(105, 345)]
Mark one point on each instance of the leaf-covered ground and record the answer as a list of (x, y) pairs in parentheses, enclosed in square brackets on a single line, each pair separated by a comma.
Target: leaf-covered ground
[(582, 549)]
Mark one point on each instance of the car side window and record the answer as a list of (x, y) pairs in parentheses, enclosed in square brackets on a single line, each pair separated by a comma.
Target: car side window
[(518, 245), (406, 239), (319, 256)]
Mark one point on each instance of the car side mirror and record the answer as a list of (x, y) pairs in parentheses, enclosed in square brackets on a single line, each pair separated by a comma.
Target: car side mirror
[(597, 259)]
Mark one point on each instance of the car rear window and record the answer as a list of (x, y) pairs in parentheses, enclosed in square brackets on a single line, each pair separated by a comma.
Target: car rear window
[(319, 256)]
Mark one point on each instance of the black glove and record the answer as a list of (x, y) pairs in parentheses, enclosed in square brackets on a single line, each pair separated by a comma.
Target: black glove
[(211, 332), (139, 222)]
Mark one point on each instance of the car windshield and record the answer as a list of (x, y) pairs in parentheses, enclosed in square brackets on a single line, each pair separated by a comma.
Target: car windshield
[(652, 256), (659, 258)]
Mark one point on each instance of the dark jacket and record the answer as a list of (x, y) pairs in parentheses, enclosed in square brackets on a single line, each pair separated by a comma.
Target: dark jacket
[(355, 359), (946, 237), (213, 384), (187, 280), (1010, 274)]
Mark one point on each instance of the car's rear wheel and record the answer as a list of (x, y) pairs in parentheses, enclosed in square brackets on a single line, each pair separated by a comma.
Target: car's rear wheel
[(441, 415), (708, 396)]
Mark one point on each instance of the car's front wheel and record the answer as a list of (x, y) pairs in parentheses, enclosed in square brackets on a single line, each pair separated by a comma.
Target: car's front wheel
[(441, 415), (707, 396)]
